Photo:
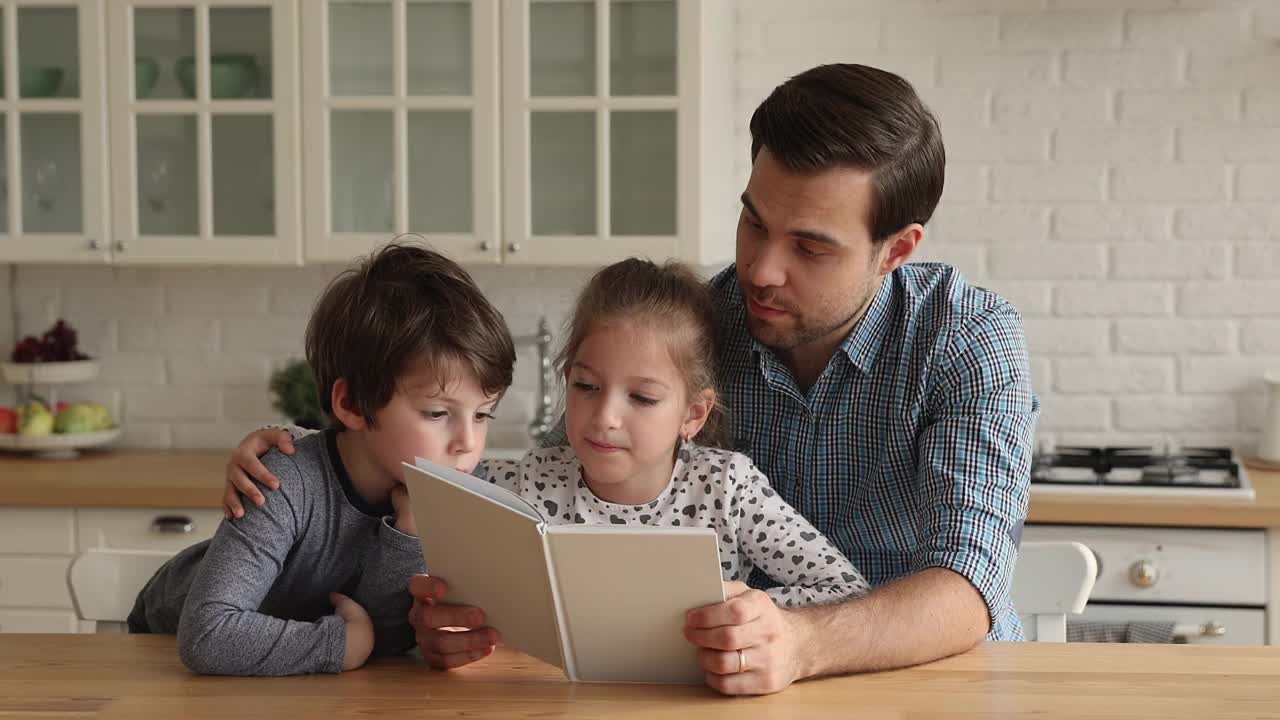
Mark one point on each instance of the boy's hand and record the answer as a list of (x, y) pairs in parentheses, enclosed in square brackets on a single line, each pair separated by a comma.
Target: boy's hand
[(449, 636), (359, 630), (244, 464), (404, 511)]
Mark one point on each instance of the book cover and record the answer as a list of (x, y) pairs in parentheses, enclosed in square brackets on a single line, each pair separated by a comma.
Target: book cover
[(605, 603)]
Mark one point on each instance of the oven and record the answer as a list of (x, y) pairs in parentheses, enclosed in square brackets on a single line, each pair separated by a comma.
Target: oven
[(1210, 583)]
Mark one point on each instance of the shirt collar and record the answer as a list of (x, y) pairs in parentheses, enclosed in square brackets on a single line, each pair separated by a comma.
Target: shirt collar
[(862, 344)]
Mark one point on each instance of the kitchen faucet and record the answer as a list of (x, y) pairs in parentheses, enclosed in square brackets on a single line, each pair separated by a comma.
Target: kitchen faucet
[(543, 417)]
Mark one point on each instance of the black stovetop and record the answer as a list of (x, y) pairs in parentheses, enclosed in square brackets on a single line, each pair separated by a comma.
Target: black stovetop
[(1190, 467)]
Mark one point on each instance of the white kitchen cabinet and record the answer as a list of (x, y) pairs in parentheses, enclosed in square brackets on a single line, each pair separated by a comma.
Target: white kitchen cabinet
[(501, 131), (204, 131), (175, 119), (520, 131), (37, 546), (617, 131), (52, 132), (401, 133)]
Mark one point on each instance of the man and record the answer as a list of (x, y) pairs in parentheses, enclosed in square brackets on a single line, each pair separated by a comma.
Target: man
[(890, 404)]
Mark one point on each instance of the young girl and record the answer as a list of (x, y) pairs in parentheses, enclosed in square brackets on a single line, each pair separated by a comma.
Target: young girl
[(646, 436)]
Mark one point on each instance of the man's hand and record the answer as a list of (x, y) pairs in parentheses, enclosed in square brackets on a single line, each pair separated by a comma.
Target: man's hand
[(747, 645), (244, 465), (404, 510), (449, 636), (359, 629)]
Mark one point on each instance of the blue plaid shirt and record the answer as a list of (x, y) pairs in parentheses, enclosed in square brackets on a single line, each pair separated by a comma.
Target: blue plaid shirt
[(912, 450)]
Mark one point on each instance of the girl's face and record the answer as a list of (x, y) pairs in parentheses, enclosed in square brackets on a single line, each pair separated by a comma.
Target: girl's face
[(625, 409)]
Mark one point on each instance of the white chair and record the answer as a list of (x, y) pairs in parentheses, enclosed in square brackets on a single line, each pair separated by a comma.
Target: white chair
[(1051, 580), (106, 581)]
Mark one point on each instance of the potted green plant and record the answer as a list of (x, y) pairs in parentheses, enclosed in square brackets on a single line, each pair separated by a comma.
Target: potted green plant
[(295, 396)]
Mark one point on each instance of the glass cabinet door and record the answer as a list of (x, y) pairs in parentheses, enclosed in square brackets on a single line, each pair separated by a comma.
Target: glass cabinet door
[(51, 112), (405, 133), (591, 133), (205, 131)]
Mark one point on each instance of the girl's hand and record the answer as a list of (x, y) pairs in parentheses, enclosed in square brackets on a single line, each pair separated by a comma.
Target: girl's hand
[(244, 465)]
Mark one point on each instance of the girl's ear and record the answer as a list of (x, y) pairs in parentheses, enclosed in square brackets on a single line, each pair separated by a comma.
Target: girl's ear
[(342, 410), (696, 416)]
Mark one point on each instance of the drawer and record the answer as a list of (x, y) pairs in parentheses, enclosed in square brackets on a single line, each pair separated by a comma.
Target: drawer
[(130, 528), (1203, 625), (35, 582), (38, 621), (37, 531), (1182, 566)]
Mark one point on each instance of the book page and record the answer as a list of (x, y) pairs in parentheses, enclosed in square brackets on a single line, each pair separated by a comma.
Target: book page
[(489, 552), (481, 487), (624, 591)]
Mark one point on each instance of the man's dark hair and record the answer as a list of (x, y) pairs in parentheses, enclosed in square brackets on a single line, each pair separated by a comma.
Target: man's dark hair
[(860, 117), (403, 306)]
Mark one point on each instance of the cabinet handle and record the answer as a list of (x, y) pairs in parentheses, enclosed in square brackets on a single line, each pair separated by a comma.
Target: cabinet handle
[(1191, 630), (513, 247), (94, 244), (173, 525), (119, 246), (486, 246)]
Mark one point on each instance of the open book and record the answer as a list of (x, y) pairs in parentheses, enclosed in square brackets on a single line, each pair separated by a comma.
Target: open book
[(604, 603)]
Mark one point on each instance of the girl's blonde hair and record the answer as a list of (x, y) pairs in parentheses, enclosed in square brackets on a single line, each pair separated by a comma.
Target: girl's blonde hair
[(670, 298)]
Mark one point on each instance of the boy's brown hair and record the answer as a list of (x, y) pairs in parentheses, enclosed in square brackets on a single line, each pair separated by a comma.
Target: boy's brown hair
[(401, 306)]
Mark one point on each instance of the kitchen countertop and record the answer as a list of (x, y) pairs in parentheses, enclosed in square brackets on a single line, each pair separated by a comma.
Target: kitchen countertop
[(193, 479), (127, 478), (118, 676), (116, 478), (1262, 512)]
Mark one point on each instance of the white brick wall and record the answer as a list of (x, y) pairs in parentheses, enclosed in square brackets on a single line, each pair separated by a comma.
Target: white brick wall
[(1132, 205), (187, 352), (1115, 171)]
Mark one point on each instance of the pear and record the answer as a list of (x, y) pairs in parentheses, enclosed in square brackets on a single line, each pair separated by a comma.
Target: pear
[(34, 419)]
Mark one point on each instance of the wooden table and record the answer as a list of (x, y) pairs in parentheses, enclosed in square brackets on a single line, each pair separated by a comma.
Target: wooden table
[(122, 676)]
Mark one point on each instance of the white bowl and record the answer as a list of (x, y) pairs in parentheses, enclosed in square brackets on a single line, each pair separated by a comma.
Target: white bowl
[(50, 373), (59, 445)]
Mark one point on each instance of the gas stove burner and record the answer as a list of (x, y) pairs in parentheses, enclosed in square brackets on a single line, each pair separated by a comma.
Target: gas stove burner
[(1170, 473), (1194, 468)]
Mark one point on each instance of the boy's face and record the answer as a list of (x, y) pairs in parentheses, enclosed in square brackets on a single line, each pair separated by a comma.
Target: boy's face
[(447, 427)]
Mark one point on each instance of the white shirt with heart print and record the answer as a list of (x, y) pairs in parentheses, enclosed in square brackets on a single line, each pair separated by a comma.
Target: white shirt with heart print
[(709, 487)]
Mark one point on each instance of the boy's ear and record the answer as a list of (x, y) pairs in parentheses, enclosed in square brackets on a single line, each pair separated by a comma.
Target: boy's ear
[(341, 401), (696, 416)]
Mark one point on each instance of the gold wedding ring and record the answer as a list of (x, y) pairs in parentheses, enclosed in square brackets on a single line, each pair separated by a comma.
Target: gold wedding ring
[(742, 662)]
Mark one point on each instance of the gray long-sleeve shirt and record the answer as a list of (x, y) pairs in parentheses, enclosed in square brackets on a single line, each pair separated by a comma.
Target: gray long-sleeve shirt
[(254, 600)]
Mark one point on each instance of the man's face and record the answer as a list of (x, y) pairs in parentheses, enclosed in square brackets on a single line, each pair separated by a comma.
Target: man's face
[(805, 260)]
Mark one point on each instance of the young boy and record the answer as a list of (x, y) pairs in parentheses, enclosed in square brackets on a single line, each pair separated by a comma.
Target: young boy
[(410, 359)]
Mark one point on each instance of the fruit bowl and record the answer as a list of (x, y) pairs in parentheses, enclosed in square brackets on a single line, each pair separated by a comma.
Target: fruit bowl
[(59, 445), (50, 373)]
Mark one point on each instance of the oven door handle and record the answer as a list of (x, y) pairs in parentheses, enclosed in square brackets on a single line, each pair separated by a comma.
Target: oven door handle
[(1190, 630)]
